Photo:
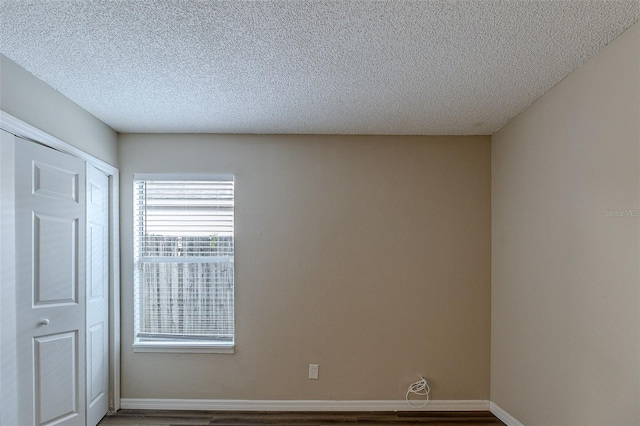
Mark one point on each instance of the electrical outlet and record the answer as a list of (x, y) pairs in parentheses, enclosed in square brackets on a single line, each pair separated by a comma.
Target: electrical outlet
[(313, 371)]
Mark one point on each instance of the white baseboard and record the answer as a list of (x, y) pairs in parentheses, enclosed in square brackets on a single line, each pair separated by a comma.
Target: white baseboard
[(507, 418), (296, 405)]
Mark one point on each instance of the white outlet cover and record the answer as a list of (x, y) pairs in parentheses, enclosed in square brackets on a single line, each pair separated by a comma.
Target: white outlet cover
[(313, 371)]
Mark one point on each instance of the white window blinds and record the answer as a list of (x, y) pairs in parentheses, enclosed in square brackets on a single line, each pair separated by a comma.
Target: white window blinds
[(185, 260)]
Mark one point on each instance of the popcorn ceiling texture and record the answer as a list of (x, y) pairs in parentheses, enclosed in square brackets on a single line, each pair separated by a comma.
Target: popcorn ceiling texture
[(319, 67)]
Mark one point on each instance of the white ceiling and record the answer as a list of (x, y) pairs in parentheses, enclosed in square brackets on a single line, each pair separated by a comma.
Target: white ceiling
[(328, 67)]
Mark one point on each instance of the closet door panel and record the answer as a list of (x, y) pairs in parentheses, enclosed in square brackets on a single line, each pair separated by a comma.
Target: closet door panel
[(97, 295), (50, 285)]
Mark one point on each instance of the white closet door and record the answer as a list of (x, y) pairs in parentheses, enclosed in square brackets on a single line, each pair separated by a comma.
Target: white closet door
[(97, 269), (50, 286)]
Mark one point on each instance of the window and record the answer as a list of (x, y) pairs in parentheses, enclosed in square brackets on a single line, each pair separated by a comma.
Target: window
[(184, 257)]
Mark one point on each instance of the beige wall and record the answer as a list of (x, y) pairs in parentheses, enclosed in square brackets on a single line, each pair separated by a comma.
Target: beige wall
[(565, 268), (26, 97), (369, 256)]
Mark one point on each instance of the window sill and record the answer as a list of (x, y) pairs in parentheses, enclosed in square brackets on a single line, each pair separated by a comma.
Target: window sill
[(185, 347)]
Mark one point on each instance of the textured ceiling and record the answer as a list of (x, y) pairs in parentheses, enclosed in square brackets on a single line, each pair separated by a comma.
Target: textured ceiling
[(328, 67)]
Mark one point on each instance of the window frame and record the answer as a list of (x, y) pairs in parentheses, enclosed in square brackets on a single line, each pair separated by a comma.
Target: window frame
[(141, 344)]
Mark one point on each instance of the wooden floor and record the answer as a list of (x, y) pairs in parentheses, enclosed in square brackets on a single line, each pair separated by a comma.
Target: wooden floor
[(236, 418)]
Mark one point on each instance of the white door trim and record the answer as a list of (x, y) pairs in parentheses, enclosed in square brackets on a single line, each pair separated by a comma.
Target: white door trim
[(8, 312), (24, 130)]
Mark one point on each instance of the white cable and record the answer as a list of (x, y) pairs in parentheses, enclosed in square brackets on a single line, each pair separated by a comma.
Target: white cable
[(421, 387)]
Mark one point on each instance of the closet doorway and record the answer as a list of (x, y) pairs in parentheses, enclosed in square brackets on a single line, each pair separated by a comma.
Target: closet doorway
[(58, 337)]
